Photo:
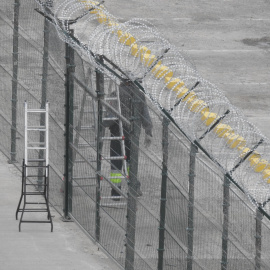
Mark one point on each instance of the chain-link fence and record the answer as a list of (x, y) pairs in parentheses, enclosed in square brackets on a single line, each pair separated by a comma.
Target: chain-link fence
[(121, 165)]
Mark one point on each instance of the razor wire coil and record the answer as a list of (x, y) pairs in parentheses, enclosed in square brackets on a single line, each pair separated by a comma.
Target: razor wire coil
[(172, 82)]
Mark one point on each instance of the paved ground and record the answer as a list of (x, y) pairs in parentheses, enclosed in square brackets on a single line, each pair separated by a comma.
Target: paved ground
[(228, 41), (35, 247)]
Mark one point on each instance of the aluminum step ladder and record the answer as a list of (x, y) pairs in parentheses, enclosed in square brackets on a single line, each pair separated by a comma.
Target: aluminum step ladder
[(115, 98), (35, 168)]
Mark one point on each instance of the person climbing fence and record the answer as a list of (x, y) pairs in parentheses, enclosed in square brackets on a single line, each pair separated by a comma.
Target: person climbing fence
[(131, 98)]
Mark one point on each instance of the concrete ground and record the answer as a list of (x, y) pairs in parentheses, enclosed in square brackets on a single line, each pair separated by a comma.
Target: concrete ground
[(228, 41), (36, 247)]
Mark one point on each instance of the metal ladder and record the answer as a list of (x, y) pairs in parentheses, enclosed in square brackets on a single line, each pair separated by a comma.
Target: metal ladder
[(123, 157), (84, 133), (35, 167)]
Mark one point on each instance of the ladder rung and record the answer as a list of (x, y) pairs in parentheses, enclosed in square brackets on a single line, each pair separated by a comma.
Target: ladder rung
[(35, 203), (38, 143), (110, 118), (35, 166), (88, 111), (84, 185), (112, 204), (36, 160), (116, 177), (36, 148), (113, 197), (33, 210), (34, 221), (36, 110), (114, 158), (84, 178), (83, 161), (114, 138), (34, 193), (110, 98), (87, 128), (34, 175), (86, 144), (40, 185), (41, 128)]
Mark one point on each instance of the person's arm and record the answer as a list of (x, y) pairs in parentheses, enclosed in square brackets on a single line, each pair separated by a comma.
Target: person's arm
[(146, 120), (147, 125)]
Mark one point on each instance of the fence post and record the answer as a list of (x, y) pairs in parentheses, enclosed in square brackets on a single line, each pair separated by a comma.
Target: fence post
[(100, 96), (258, 239), (133, 182), (226, 205), (190, 228), (43, 94), (163, 198), (69, 85), (13, 154)]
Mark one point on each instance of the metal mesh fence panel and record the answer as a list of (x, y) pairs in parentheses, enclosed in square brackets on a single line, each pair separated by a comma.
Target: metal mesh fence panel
[(121, 164), (5, 132), (6, 78), (6, 31), (7, 9)]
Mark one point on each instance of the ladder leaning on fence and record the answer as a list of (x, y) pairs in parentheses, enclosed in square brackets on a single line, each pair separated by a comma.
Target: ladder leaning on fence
[(83, 143), (116, 173), (35, 168)]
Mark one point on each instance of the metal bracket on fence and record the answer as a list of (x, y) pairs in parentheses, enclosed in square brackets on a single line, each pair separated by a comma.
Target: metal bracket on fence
[(264, 203), (246, 156), (43, 14), (114, 66), (87, 12), (164, 173), (105, 103), (179, 101), (226, 204), (100, 94), (214, 125), (47, 5), (224, 264), (135, 82), (224, 237), (96, 57)]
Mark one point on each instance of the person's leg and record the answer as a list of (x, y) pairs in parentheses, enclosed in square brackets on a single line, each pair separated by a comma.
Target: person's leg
[(127, 149), (116, 165)]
